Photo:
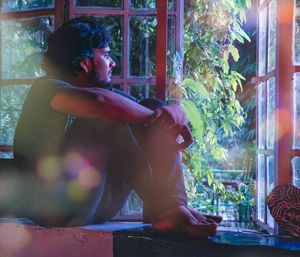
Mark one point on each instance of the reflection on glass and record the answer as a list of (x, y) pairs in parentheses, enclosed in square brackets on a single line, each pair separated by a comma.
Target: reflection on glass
[(296, 111), (23, 42), (142, 47), (272, 35), (22, 5), (262, 42), (261, 1), (102, 3), (149, 4), (270, 113), (296, 171), (270, 186), (270, 219), (11, 103), (297, 34), (261, 187), (133, 205), (261, 115), (270, 173), (142, 91), (297, 11)]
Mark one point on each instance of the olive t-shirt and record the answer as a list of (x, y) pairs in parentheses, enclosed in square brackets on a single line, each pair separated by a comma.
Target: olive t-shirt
[(40, 129)]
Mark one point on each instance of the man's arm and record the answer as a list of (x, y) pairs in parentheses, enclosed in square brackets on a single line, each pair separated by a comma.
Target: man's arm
[(98, 103)]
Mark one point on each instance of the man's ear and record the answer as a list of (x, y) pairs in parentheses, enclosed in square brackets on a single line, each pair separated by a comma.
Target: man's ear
[(86, 65)]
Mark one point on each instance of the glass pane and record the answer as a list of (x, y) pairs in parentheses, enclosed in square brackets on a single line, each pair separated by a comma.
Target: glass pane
[(297, 34), (270, 186), (133, 205), (296, 112), (261, 1), (21, 5), (149, 4), (23, 41), (270, 113), (270, 173), (102, 3), (261, 188), (296, 171), (272, 35), (142, 91), (142, 46), (262, 42), (11, 103), (261, 115)]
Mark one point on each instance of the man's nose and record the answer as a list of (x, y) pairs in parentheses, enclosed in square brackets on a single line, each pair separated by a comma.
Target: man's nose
[(112, 64)]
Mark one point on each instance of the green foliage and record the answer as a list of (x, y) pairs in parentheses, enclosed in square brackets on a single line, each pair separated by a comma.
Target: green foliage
[(212, 31)]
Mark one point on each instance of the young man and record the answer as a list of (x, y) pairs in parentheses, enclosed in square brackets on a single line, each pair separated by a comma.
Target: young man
[(86, 147)]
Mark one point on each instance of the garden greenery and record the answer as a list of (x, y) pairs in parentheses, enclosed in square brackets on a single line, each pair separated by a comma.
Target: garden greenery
[(211, 30)]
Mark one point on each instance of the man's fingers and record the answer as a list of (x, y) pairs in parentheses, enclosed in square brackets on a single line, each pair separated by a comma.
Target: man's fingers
[(187, 136), (217, 219)]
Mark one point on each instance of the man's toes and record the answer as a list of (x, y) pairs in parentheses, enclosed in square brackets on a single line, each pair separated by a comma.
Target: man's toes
[(202, 230)]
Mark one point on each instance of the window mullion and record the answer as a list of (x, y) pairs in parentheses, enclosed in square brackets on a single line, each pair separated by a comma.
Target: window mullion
[(161, 49)]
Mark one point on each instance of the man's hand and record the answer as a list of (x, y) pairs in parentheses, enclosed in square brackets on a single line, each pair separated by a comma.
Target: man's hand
[(172, 120)]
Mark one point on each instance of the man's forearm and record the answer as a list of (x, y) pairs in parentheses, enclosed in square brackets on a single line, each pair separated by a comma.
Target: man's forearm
[(97, 103)]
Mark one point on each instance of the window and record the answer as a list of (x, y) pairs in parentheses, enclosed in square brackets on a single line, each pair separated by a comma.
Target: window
[(277, 101), (25, 26)]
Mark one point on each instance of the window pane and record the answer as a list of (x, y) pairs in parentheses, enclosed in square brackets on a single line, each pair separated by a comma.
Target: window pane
[(297, 34), (262, 42), (296, 112), (270, 186), (11, 103), (22, 42), (296, 171), (149, 4), (261, 116), (261, 187), (102, 3), (142, 91), (261, 1), (272, 35), (133, 205), (142, 47), (270, 113), (21, 5)]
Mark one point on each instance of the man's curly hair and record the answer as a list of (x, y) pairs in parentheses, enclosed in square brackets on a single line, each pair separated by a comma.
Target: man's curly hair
[(73, 42)]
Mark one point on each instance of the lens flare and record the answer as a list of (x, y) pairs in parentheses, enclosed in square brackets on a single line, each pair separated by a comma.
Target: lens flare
[(49, 168), (77, 192), (89, 177), (285, 126), (73, 163)]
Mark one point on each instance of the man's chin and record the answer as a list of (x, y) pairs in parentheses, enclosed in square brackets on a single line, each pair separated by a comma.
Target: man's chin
[(105, 84)]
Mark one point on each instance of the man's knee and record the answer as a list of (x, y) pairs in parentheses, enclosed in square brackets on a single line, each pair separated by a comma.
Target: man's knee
[(152, 103)]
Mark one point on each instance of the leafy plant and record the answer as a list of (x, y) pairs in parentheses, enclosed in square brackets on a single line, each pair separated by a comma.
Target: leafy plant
[(212, 30)]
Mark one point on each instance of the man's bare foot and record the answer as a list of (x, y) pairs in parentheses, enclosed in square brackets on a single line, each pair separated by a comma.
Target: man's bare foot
[(187, 220)]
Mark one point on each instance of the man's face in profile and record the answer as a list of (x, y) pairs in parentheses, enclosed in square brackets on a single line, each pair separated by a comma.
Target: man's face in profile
[(102, 65)]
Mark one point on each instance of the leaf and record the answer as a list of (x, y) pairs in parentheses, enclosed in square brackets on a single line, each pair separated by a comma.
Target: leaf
[(194, 117), (196, 87), (234, 52)]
